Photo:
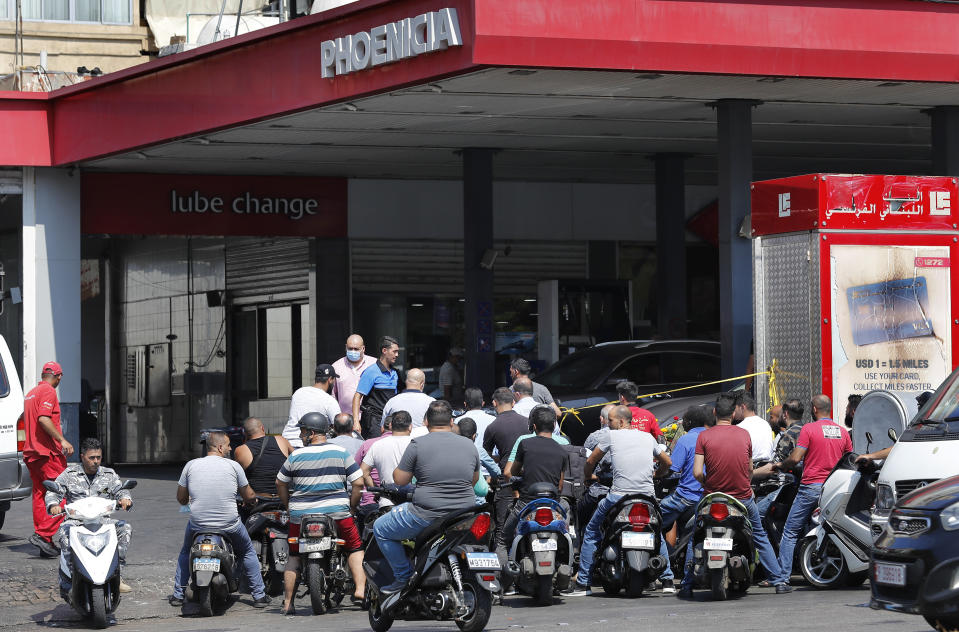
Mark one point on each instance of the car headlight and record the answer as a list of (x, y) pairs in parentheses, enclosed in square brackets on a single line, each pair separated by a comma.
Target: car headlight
[(950, 519), (885, 500), (94, 543)]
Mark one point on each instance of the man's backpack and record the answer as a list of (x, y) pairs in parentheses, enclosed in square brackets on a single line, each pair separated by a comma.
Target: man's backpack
[(574, 485)]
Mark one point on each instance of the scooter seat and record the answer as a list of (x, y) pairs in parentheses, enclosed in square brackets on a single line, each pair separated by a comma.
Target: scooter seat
[(438, 526)]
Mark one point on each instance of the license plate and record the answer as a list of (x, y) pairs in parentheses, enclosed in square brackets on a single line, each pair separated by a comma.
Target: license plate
[(311, 546), (206, 564), (718, 544), (631, 540), (544, 545), (890, 574), (482, 561)]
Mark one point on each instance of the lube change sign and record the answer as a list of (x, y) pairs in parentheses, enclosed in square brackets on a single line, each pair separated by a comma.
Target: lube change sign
[(389, 43)]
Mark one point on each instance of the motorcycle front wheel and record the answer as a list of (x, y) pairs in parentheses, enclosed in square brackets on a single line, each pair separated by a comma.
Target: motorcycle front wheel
[(482, 608), (826, 570), (98, 607)]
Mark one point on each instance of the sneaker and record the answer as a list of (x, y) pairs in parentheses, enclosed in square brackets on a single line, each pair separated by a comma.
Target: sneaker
[(392, 588), (47, 548), (176, 602), (782, 589), (262, 602), (510, 592), (124, 587), (578, 590), (668, 587)]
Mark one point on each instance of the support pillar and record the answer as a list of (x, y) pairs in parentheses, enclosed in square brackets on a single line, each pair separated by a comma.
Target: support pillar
[(945, 140), (51, 286), (671, 244), (734, 117), (330, 300), (477, 273)]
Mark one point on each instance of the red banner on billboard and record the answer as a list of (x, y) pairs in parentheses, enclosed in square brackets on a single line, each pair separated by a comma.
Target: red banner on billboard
[(163, 204)]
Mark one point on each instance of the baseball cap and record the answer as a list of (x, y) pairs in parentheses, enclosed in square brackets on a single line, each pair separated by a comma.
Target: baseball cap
[(52, 367), (325, 372)]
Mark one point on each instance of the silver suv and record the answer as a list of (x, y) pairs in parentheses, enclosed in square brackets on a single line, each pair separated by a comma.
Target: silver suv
[(14, 477)]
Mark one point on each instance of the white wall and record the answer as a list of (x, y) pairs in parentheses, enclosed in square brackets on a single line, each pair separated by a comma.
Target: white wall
[(522, 210)]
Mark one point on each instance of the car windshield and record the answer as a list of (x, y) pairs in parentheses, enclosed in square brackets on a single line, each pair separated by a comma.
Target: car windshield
[(580, 370), (4, 384), (944, 404)]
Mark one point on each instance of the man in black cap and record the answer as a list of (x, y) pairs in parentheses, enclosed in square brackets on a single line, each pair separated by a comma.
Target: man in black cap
[(312, 399)]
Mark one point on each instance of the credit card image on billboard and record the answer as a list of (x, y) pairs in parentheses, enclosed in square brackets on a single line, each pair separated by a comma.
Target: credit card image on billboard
[(890, 310)]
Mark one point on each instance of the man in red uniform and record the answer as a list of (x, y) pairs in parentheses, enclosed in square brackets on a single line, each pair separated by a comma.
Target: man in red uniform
[(45, 452), (642, 418)]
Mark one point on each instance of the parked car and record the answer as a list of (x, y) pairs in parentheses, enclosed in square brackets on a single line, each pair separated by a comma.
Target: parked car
[(915, 562), (14, 477), (589, 376), (927, 451)]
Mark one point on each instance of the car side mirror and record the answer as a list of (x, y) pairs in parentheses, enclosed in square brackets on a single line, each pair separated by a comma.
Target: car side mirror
[(129, 484), (51, 486), (892, 435), (869, 437)]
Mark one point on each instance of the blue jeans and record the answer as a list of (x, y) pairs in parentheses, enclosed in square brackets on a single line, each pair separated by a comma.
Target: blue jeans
[(242, 549), (671, 508), (390, 529), (767, 556), (806, 501)]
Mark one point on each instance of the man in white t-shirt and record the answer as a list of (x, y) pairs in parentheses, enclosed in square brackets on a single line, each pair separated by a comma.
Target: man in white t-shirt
[(312, 399), (385, 454), (760, 432), (413, 400), (473, 400)]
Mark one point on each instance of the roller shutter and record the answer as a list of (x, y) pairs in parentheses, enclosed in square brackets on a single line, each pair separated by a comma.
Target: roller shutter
[(267, 269)]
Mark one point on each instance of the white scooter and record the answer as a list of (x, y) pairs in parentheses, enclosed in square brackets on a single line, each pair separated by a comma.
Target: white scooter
[(835, 552), (95, 559)]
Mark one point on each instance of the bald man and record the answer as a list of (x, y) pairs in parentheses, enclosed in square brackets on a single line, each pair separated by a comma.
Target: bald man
[(413, 400), (261, 457), (349, 368)]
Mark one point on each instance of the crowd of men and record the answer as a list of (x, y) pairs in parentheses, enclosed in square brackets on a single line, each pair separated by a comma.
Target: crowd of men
[(354, 429)]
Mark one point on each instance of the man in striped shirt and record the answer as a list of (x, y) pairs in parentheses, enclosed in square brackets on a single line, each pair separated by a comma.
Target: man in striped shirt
[(323, 478)]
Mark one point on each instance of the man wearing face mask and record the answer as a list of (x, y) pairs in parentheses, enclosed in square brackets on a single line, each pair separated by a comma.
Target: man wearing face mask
[(350, 367)]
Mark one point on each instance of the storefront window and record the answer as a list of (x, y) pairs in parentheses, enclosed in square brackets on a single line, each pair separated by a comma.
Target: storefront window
[(272, 357)]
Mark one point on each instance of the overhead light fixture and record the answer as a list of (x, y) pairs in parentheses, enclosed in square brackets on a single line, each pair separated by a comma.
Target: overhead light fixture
[(529, 300), (522, 72), (416, 304), (462, 300), (140, 155), (534, 314), (350, 107), (649, 76), (201, 141), (435, 87), (502, 322), (771, 79), (890, 84)]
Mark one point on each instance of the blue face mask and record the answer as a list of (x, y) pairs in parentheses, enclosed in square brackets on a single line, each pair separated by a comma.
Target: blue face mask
[(353, 356)]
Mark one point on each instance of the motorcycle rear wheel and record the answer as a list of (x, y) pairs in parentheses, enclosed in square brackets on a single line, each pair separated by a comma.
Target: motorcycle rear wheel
[(826, 571), (482, 606), (543, 590), (272, 577), (316, 582), (204, 597), (719, 580), (636, 584), (98, 607)]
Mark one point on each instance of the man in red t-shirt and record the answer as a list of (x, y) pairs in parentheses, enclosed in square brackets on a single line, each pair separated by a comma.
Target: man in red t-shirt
[(724, 463), (44, 451), (642, 418), (820, 445)]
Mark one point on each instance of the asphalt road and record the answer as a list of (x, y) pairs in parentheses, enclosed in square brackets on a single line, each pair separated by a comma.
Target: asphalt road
[(30, 601)]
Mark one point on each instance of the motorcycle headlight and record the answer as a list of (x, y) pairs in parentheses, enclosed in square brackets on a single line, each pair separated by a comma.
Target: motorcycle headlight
[(950, 520), (885, 500), (94, 543)]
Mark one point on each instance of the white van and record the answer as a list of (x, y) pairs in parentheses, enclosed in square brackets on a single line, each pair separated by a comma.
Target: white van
[(927, 450), (14, 477)]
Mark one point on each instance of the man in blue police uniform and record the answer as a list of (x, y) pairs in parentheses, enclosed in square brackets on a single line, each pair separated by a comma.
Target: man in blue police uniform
[(376, 386)]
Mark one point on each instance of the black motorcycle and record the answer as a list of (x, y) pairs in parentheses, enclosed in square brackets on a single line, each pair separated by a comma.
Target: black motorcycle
[(454, 574), (268, 527), (628, 555), (212, 572), (724, 555), (325, 571)]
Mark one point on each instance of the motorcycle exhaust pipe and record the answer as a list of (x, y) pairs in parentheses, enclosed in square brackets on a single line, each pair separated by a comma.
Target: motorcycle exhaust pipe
[(657, 563), (738, 567), (340, 575), (512, 569)]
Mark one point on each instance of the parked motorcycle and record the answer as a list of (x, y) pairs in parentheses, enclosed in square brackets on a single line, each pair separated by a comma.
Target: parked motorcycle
[(212, 572), (541, 554), (268, 527), (835, 552), (628, 553), (325, 571), (454, 574), (94, 556), (724, 556)]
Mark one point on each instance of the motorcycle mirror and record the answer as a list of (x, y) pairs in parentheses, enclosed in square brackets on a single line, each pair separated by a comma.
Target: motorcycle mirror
[(892, 435), (869, 437), (130, 484), (51, 486)]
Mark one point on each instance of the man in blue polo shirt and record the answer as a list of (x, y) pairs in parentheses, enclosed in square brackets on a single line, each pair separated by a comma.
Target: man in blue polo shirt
[(689, 490), (376, 386)]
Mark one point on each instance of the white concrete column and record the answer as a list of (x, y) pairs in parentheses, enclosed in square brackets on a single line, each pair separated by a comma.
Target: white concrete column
[(51, 285)]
